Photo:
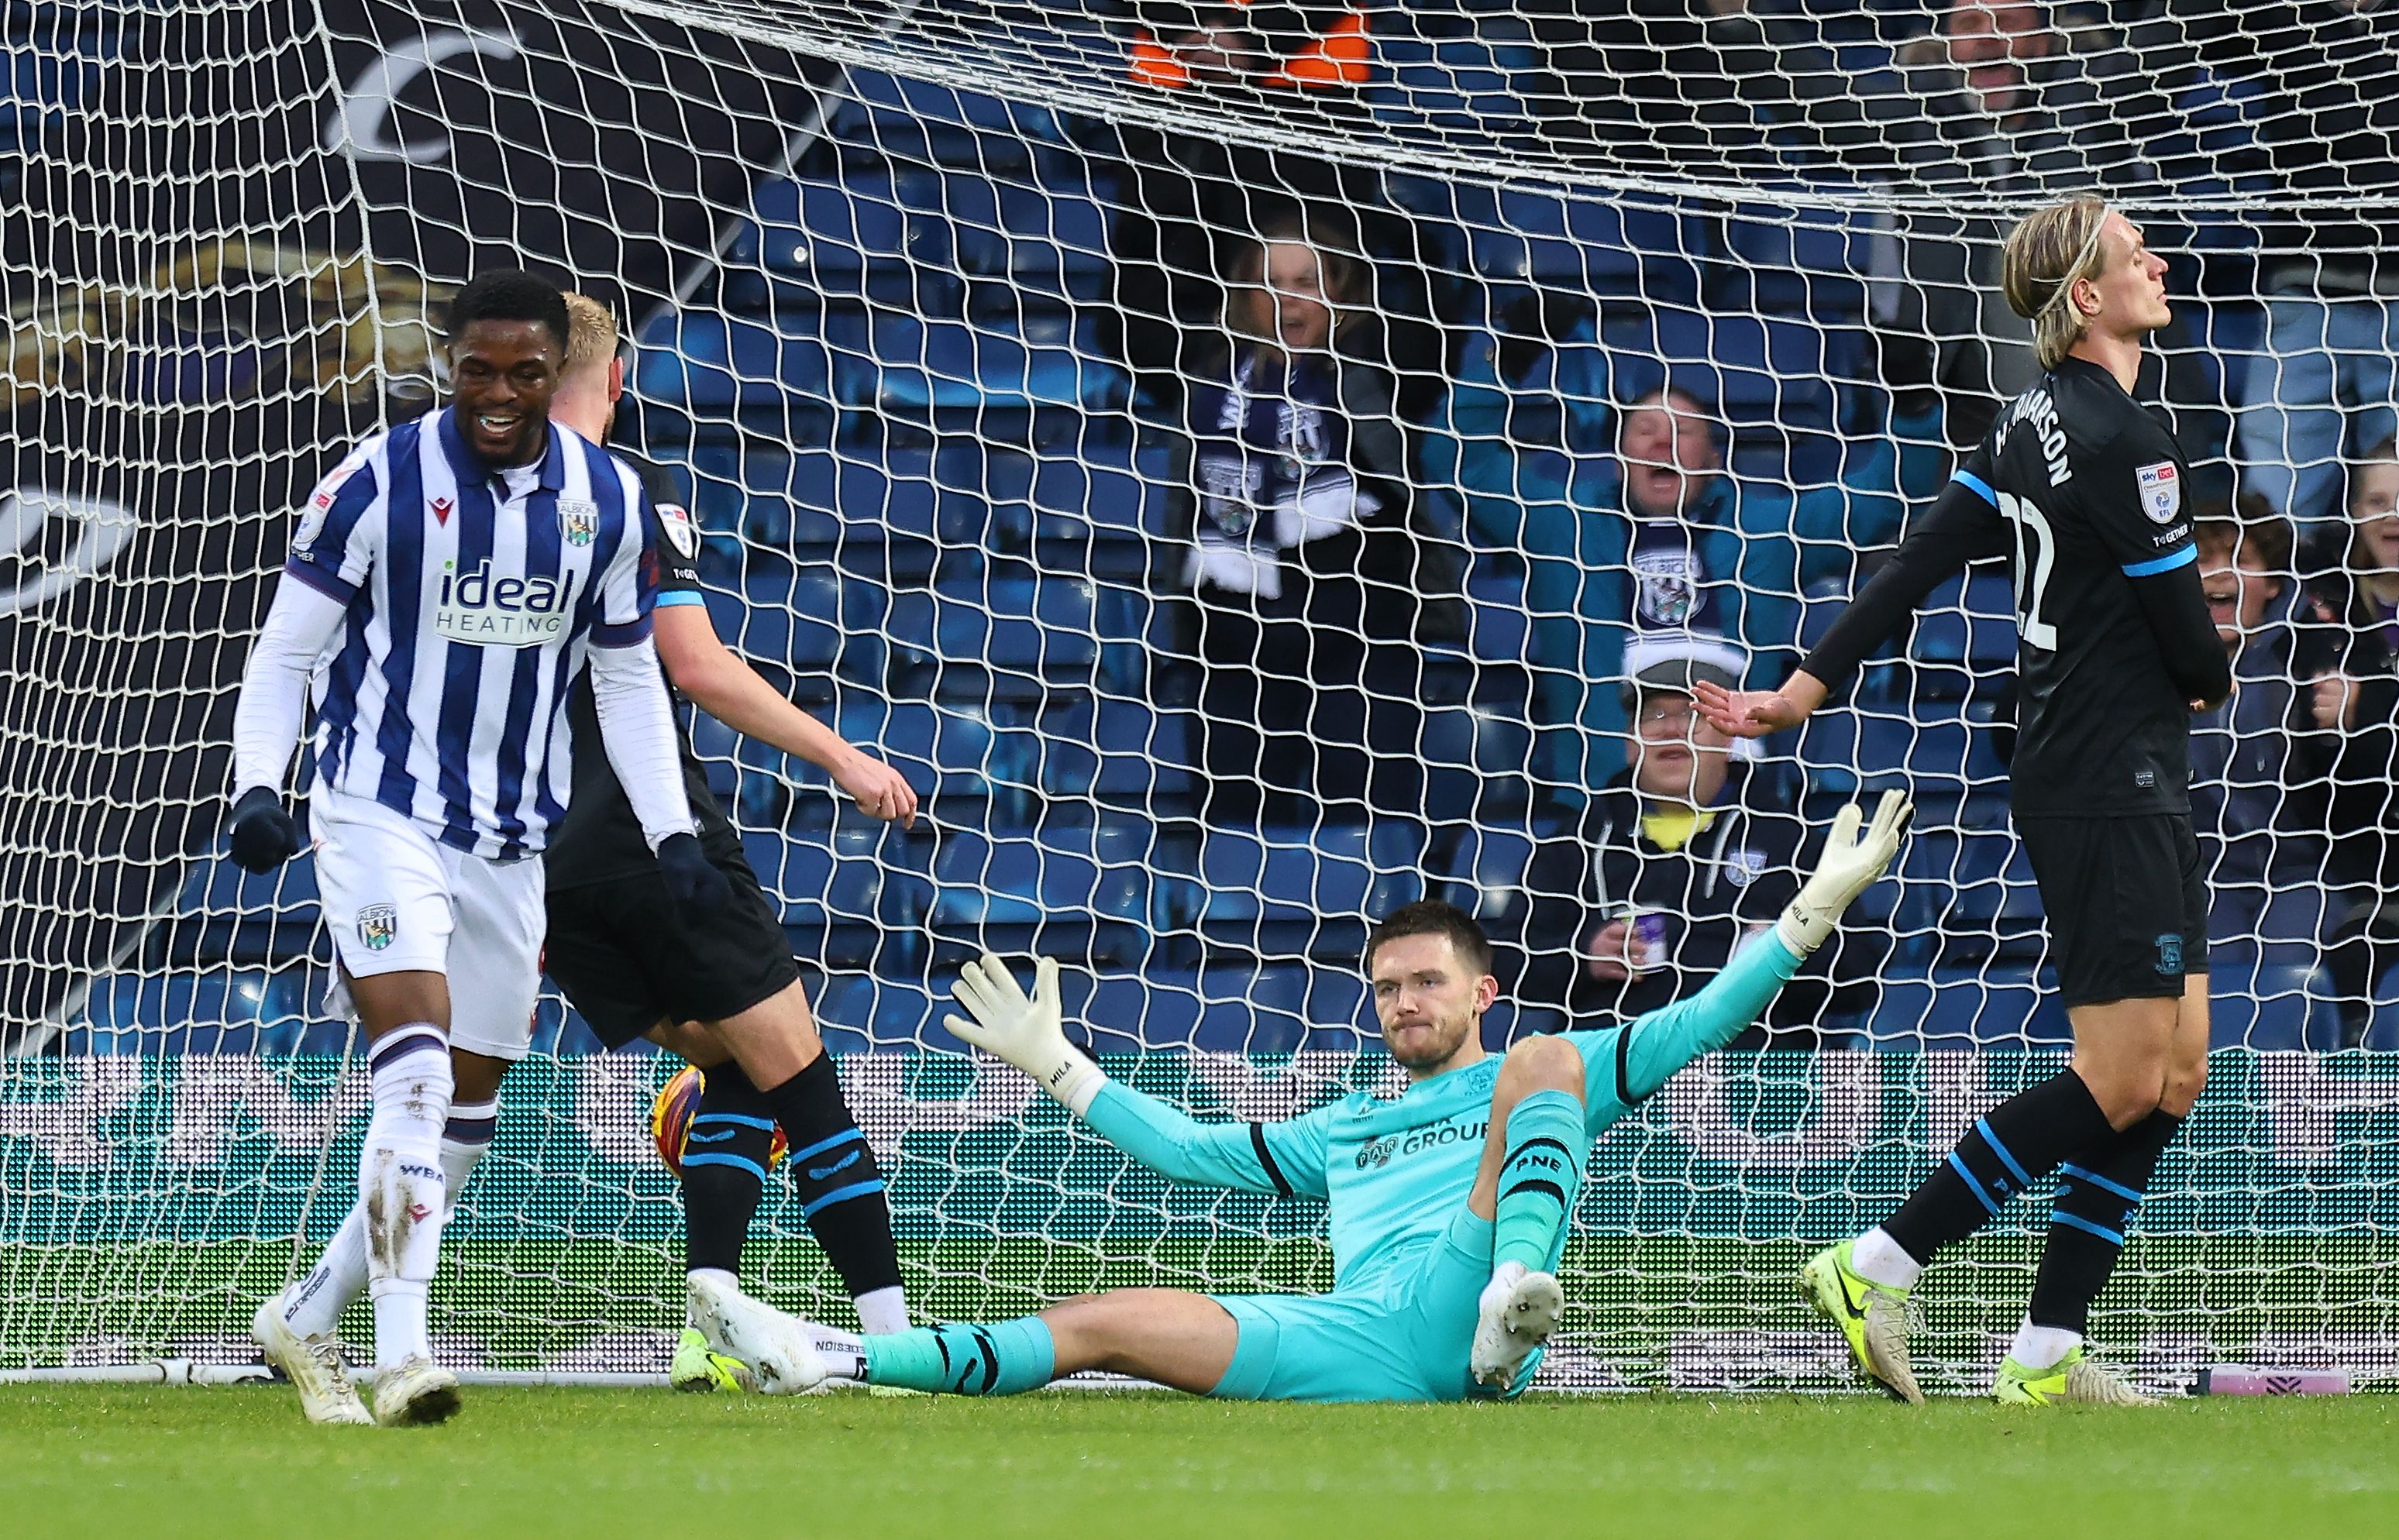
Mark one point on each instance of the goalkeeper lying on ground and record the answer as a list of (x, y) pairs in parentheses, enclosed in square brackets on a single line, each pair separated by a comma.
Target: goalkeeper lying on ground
[(1448, 1205)]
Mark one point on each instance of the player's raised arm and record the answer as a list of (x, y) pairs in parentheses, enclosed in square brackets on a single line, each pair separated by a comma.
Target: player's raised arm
[(629, 696), (1630, 1063), (1029, 1032), (1964, 526)]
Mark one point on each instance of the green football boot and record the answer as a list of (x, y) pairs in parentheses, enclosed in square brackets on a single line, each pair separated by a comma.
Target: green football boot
[(701, 1368), (2077, 1378), (1874, 1320)]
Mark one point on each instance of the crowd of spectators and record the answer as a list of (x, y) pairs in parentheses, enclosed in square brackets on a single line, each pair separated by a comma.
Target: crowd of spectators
[(1287, 328)]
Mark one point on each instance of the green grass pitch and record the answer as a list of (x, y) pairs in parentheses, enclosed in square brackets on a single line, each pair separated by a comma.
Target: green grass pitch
[(116, 1461)]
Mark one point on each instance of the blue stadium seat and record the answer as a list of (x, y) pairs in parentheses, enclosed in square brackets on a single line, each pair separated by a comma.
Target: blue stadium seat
[(1477, 762), (1483, 873), (1086, 889), (698, 374), (2000, 1007), (948, 750), (788, 616), (917, 121), (1964, 643), (2270, 1007), (224, 912), (1289, 891), (844, 241), (846, 893), (1075, 499), (1114, 749), (1974, 894), (1000, 636), (856, 1011), (218, 1010), (914, 367), (1794, 260)]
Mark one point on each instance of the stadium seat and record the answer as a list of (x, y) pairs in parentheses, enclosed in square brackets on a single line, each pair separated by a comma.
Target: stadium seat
[(1974, 894), (1483, 873), (844, 893), (1285, 892), (1795, 261), (1964, 641), (2270, 1007), (958, 749), (846, 241), (1116, 749), (699, 373), (1083, 890), (892, 117), (949, 368), (220, 1010), (1947, 1009), (225, 913)]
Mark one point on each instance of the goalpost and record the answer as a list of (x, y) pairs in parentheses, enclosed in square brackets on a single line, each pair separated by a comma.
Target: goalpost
[(916, 295)]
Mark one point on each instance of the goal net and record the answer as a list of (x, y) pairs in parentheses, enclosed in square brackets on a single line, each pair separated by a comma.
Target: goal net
[(1237, 459)]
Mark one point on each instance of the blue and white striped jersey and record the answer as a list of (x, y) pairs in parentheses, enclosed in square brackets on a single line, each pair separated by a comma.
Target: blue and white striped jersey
[(471, 594)]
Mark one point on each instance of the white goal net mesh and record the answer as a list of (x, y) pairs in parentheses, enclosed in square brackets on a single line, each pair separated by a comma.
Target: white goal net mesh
[(1623, 338)]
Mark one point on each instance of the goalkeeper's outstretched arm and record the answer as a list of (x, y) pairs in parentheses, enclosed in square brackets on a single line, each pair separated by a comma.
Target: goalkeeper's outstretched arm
[(1286, 1157), (1624, 1066)]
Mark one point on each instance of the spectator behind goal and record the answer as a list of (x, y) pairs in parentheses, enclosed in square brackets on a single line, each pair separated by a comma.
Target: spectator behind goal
[(1682, 861), (1660, 551), (1307, 556), (2257, 800), (2356, 702)]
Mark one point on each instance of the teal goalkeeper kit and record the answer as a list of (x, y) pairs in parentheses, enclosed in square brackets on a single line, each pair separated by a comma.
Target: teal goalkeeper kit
[(1410, 1260)]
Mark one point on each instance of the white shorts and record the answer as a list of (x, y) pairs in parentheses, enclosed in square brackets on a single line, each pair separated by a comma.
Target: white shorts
[(396, 901)]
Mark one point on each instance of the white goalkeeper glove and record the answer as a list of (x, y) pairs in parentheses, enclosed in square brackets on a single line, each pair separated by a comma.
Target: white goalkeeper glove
[(1848, 866), (1029, 1033)]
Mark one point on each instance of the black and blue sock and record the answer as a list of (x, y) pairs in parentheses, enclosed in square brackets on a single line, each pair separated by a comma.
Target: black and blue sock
[(2012, 1146), (2095, 1202), (723, 1169)]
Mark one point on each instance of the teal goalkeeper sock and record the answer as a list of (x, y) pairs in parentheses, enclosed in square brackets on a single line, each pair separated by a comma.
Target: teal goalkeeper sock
[(1547, 1144), (1002, 1359)]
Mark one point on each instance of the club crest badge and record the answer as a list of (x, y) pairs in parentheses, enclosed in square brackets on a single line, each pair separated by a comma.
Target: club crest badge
[(578, 520), (377, 924), (2160, 491), (1745, 867)]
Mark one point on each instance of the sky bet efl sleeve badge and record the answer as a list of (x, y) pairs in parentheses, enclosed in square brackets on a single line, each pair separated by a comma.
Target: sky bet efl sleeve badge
[(2160, 491), (676, 523)]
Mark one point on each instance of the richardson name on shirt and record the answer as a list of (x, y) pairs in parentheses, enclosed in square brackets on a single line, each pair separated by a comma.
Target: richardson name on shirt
[(502, 611)]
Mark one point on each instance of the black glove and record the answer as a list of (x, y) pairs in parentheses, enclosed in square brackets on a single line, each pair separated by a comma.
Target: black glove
[(697, 889), (262, 834)]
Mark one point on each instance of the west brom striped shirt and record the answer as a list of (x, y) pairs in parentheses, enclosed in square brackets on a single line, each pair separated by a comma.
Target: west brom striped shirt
[(470, 595)]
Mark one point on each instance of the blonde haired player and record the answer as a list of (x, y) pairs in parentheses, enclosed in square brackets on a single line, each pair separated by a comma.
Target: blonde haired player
[(2082, 490)]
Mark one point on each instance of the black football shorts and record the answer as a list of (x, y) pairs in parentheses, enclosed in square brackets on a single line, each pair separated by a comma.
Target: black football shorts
[(618, 953), (2126, 901)]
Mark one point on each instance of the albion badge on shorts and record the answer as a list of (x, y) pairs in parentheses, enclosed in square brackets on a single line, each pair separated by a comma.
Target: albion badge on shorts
[(377, 924), (579, 521)]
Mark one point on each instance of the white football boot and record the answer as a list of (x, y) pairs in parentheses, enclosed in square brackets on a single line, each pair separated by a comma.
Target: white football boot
[(1519, 1309), (312, 1364), (776, 1346), (416, 1390)]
